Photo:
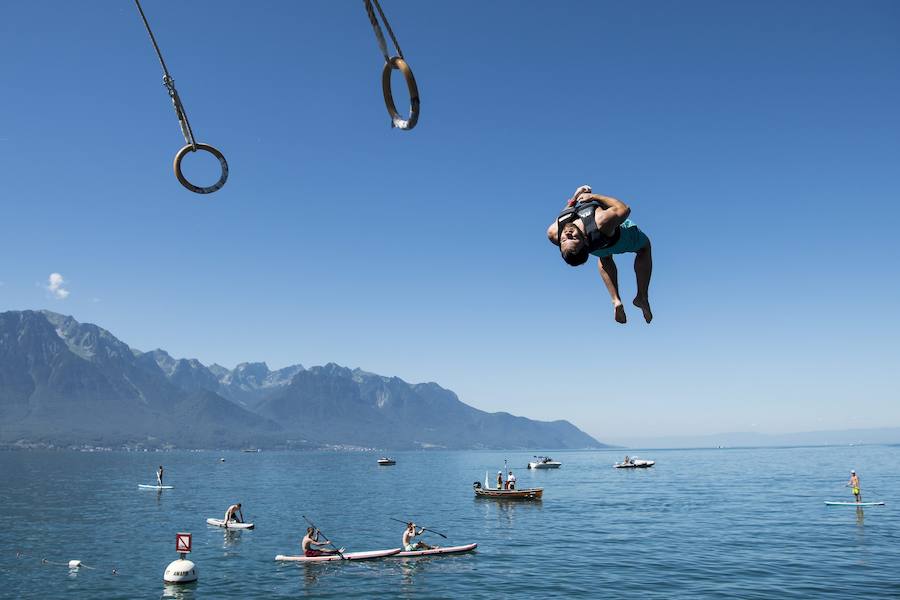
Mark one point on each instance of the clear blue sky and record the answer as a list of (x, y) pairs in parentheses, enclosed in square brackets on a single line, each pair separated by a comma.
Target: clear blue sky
[(758, 144)]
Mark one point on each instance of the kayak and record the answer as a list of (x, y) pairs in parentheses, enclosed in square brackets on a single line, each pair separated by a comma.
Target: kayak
[(854, 503), (155, 487), (433, 551), (231, 524), (346, 556)]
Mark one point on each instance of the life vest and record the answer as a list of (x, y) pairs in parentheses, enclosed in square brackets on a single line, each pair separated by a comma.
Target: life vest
[(596, 239)]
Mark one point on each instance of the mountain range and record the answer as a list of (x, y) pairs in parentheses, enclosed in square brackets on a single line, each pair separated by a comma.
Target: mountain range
[(67, 383)]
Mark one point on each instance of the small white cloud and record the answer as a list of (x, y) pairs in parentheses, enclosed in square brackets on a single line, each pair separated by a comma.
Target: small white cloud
[(55, 285)]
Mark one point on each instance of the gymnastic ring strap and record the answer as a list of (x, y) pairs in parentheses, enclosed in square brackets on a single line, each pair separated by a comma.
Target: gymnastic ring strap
[(397, 120), (183, 180)]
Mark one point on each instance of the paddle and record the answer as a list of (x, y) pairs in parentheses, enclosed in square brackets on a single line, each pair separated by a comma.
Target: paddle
[(313, 525), (420, 527)]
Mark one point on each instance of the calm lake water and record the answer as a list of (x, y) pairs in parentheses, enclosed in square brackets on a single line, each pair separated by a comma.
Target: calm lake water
[(731, 523)]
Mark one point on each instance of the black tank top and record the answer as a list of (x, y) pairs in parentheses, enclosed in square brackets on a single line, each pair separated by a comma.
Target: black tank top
[(596, 239)]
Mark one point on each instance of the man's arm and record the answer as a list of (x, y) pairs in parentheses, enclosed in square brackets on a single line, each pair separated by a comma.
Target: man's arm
[(613, 214), (552, 234)]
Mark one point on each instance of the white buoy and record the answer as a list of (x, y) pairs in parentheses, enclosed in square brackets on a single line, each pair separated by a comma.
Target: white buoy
[(181, 571)]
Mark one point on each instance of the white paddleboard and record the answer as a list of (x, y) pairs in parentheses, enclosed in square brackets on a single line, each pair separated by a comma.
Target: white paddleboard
[(231, 524), (155, 487), (854, 503), (433, 551), (346, 556)]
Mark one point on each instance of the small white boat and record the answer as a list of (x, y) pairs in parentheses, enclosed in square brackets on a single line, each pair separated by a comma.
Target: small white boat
[(544, 462), (230, 525), (386, 462), (634, 463)]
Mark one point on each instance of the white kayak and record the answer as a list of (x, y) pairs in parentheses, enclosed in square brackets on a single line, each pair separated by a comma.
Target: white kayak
[(854, 503), (346, 556), (155, 487), (433, 551), (231, 524)]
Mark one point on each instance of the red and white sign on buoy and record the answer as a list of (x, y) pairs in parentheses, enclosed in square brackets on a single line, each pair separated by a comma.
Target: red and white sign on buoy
[(181, 570), (182, 542)]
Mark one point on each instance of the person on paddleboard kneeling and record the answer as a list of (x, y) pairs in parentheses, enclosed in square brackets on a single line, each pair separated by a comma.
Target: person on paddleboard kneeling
[(408, 534), (854, 484), (597, 225), (232, 514), (312, 539)]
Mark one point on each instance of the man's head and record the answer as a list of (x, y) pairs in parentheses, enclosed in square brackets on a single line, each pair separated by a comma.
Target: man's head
[(853, 472), (410, 525), (572, 245), (310, 531), (510, 472)]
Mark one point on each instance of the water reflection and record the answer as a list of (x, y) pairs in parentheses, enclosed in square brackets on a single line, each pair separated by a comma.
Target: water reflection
[(232, 539), (183, 591)]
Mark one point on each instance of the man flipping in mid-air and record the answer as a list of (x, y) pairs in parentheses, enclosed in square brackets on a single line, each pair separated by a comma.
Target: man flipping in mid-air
[(598, 225)]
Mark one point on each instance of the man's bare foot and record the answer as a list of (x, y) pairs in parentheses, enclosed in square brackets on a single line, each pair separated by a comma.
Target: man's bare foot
[(620, 313), (644, 305)]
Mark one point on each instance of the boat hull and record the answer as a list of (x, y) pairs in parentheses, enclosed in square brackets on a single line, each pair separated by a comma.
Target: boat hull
[(524, 494), (553, 465)]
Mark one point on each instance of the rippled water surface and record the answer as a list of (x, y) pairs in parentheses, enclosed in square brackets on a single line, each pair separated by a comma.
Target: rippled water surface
[(741, 523)]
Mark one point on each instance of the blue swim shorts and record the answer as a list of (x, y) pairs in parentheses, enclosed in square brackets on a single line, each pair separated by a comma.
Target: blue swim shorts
[(631, 239)]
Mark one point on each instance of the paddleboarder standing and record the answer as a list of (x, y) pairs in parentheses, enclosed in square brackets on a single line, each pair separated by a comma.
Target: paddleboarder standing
[(312, 539), (408, 534), (854, 483), (159, 476)]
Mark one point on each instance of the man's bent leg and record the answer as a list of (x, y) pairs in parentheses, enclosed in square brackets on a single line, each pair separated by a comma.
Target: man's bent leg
[(643, 269), (610, 275)]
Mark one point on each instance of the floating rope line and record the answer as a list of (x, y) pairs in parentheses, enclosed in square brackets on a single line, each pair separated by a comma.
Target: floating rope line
[(191, 145), (391, 63)]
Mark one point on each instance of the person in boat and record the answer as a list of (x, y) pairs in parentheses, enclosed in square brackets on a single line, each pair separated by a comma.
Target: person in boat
[(627, 460), (510, 481), (408, 534), (234, 513), (854, 484), (312, 539), (499, 480), (597, 225), (159, 476)]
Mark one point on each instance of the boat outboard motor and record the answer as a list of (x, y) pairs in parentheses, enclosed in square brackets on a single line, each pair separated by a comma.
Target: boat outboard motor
[(584, 211)]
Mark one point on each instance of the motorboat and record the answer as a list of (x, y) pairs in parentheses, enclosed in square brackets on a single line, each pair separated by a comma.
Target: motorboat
[(386, 462), (634, 462), (544, 462), (498, 494)]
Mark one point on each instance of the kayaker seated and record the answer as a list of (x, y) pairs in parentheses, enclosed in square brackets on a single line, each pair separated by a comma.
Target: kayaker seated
[(408, 534), (511, 481), (312, 539)]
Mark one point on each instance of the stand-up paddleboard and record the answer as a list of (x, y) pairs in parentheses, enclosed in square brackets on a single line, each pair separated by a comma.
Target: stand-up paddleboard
[(155, 487), (231, 524), (433, 551), (854, 503), (346, 556)]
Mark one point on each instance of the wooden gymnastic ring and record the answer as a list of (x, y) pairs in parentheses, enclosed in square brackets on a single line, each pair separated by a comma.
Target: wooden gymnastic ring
[(396, 120), (196, 189)]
